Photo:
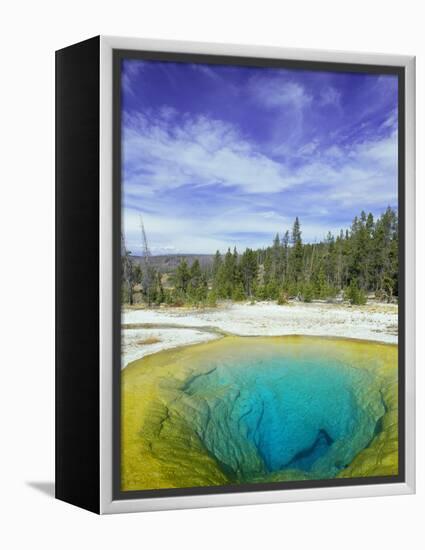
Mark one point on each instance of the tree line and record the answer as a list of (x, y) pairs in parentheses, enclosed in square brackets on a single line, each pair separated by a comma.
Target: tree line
[(360, 260)]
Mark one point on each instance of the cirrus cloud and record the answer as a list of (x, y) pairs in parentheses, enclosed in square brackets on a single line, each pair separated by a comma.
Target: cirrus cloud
[(209, 169)]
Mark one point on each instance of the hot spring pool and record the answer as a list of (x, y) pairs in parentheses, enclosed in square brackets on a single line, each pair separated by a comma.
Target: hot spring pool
[(246, 410)]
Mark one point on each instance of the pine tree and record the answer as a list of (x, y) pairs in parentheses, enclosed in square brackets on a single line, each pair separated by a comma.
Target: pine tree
[(228, 272), (330, 260), (285, 254), (268, 267), (203, 288), (360, 260), (277, 257), (385, 264), (238, 292), (217, 262), (182, 276), (195, 280), (249, 270), (297, 252)]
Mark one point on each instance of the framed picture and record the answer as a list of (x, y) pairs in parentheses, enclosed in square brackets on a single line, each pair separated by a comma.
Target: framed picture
[(235, 274)]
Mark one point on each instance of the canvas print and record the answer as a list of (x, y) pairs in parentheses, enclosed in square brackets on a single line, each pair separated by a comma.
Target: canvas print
[(259, 275)]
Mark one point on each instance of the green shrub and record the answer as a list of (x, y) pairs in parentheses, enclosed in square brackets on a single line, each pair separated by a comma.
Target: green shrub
[(355, 295), (292, 290), (175, 298), (238, 294), (261, 293), (272, 291), (282, 298), (307, 293), (212, 299), (332, 292)]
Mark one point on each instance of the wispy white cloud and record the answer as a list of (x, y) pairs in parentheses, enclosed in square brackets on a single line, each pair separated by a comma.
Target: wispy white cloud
[(206, 71), (199, 151), (165, 155), (391, 121), (309, 148), (330, 96), (274, 92), (215, 156), (132, 69)]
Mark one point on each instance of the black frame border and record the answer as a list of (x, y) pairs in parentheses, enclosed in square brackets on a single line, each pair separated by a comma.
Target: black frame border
[(77, 180), (305, 65)]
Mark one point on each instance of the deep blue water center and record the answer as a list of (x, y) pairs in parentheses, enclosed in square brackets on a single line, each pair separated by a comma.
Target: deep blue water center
[(262, 416)]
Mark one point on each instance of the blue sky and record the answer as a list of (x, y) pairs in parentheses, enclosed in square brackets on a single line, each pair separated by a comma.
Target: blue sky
[(217, 156)]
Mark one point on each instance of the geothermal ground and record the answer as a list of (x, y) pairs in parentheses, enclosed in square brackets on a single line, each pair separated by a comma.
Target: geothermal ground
[(148, 331)]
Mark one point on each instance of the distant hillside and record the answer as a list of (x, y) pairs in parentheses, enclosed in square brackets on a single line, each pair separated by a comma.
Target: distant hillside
[(168, 262)]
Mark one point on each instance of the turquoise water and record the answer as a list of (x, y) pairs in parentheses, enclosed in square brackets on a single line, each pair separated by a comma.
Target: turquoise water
[(261, 416)]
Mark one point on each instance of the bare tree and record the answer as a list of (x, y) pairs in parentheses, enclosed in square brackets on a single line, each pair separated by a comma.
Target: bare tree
[(148, 277), (126, 269)]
